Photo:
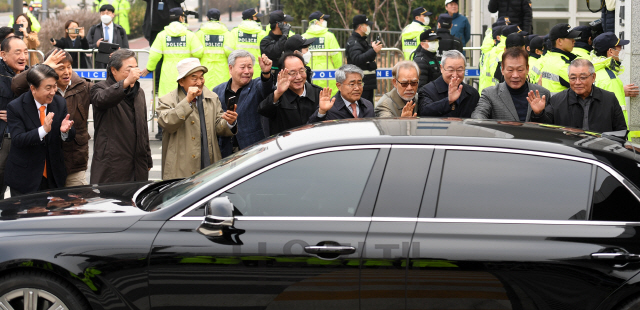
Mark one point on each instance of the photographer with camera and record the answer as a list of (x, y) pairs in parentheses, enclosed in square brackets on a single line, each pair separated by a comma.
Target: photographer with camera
[(74, 39), (273, 44), (173, 44)]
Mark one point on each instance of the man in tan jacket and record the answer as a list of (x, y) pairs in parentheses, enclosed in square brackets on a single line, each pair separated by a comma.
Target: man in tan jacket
[(401, 100), (184, 130)]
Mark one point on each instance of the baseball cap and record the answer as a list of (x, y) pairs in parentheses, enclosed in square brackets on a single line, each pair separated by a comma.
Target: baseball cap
[(420, 11), (449, 1), (502, 21), (213, 14), (606, 41), (297, 42), (173, 12), (445, 20), (250, 13), (507, 30), (536, 43), (585, 33), (514, 40), (318, 15), (562, 31), (279, 16), (429, 35), (361, 19)]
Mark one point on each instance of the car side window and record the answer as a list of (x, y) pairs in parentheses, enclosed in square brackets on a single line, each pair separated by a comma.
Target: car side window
[(612, 201), (493, 185), (325, 184)]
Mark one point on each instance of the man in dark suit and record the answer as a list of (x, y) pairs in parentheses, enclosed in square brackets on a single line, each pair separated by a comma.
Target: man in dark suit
[(39, 123), (348, 102), (448, 96), (508, 100), (107, 31)]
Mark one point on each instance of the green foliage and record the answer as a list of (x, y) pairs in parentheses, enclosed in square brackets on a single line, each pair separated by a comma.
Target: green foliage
[(136, 18), (5, 7), (57, 4)]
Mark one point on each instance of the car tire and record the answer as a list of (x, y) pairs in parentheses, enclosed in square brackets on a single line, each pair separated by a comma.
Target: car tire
[(43, 291)]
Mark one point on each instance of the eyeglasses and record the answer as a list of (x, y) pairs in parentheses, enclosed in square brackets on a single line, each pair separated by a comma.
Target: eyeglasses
[(354, 85), (451, 71), (302, 72), (406, 84), (583, 78)]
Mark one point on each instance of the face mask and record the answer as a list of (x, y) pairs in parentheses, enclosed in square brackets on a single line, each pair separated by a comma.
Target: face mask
[(621, 54), (106, 19), (368, 31), (307, 57), (433, 46), (324, 24), (25, 10), (426, 20)]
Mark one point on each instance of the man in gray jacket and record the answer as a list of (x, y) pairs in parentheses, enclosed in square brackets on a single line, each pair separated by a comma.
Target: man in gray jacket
[(401, 100), (509, 100)]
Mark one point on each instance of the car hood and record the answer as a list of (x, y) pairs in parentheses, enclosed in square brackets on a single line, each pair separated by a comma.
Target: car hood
[(93, 208)]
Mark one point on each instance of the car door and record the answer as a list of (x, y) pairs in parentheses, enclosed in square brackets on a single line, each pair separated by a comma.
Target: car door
[(299, 229), (510, 229), (384, 261)]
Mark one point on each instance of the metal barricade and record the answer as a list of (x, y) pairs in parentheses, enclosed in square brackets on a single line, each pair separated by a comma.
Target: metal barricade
[(34, 51), (101, 74)]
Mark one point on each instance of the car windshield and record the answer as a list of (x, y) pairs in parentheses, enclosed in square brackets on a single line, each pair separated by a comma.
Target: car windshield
[(176, 191)]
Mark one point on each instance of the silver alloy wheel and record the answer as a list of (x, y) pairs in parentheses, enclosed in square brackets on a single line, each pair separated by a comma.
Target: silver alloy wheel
[(32, 299)]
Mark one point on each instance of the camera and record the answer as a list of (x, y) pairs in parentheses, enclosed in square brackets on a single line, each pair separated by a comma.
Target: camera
[(190, 13)]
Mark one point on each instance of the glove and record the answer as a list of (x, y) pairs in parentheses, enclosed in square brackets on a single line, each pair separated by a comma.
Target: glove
[(285, 28)]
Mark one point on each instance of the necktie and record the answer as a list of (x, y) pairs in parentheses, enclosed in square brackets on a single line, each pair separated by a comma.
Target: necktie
[(42, 116), (354, 109), (106, 34), (204, 141)]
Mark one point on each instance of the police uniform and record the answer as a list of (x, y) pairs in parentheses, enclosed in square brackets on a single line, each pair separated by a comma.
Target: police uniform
[(556, 62), (212, 35), (325, 40), (427, 60), (122, 14), (173, 44), (486, 74), (247, 36), (447, 40), (411, 33), (535, 60)]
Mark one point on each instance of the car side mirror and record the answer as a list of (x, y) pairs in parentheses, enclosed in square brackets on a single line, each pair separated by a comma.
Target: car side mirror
[(218, 214)]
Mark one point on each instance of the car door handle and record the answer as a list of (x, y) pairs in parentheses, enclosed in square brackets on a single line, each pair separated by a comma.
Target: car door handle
[(615, 256), (330, 249)]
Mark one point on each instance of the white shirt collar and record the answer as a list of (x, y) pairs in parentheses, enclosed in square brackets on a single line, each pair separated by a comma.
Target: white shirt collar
[(38, 105), (105, 25), (304, 90), (62, 91)]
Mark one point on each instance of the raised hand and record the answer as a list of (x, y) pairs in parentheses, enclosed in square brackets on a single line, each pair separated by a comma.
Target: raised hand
[(407, 110), (265, 63), (193, 93), (133, 76), (81, 34), (48, 120), (66, 124), (377, 46), (326, 102), (284, 80), (230, 116), (631, 90), (455, 89), (55, 59), (536, 102)]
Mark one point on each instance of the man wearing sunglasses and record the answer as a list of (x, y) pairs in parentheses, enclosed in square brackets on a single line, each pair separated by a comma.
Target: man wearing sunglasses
[(508, 100), (402, 99)]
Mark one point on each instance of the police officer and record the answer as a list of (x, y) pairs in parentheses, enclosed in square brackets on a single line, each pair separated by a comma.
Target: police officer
[(608, 65), (212, 35), (555, 63), (447, 40), (363, 55), (411, 33), (425, 57), (273, 44), (97, 4), (583, 48), (247, 36), (122, 14), (486, 75), (535, 49), (325, 40), (35, 25), (173, 44)]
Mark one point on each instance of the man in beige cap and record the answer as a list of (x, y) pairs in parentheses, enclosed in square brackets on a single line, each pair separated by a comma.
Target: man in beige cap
[(185, 131)]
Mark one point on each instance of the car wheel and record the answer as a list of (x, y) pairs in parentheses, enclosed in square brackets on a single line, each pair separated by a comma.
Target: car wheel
[(33, 290), (632, 304)]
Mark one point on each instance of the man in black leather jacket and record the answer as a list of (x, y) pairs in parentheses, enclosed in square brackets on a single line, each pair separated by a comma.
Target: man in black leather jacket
[(363, 55), (273, 44), (425, 57)]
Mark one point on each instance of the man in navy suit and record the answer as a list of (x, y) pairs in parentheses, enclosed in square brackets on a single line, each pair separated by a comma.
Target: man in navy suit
[(39, 123), (348, 102)]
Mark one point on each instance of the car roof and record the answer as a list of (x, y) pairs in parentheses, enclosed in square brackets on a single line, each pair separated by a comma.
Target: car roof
[(456, 131)]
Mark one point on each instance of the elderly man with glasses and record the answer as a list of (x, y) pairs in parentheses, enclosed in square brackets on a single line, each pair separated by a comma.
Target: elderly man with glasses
[(448, 95), (294, 100), (402, 99), (348, 102), (583, 105)]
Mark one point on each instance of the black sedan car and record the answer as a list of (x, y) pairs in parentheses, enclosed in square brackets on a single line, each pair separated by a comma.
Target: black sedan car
[(362, 214)]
